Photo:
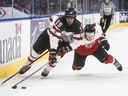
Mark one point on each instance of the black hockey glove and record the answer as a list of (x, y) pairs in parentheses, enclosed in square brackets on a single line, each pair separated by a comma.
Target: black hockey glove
[(63, 47), (52, 56), (105, 45)]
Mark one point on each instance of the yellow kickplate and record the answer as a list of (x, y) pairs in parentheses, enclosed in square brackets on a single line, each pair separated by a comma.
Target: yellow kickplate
[(118, 26), (10, 69)]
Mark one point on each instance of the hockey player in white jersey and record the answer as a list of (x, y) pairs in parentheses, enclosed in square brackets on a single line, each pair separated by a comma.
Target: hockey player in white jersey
[(67, 29), (94, 43), (40, 45), (107, 11), (56, 39)]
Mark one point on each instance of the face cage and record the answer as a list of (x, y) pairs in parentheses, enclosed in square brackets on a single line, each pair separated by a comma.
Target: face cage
[(90, 36)]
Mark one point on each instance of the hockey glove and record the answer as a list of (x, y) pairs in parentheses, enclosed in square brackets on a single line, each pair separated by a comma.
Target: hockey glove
[(63, 47), (105, 45)]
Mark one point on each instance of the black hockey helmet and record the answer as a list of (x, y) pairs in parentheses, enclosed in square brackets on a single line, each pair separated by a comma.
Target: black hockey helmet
[(70, 12), (89, 28)]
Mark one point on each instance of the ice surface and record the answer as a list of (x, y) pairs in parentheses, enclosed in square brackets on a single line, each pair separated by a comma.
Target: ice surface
[(95, 79)]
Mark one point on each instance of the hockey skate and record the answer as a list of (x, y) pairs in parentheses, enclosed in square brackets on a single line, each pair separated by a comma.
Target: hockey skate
[(76, 67), (118, 66), (51, 64), (45, 72)]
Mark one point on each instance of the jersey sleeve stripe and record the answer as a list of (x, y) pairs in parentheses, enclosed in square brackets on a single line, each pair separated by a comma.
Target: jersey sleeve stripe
[(56, 29), (58, 35)]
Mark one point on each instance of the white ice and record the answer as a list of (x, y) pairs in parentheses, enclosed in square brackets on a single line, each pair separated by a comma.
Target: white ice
[(95, 79)]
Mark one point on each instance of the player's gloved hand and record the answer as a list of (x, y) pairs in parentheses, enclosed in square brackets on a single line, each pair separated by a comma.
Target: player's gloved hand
[(52, 56), (105, 45), (63, 47), (67, 36), (24, 69)]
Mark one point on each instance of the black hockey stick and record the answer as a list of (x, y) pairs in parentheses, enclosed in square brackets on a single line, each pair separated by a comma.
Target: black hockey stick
[(19, 70), (15, 85), (22, 80), (9, 78)]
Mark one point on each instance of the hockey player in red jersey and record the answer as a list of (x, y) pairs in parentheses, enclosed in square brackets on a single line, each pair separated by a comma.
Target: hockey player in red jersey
[(94, 44), (56, 39)]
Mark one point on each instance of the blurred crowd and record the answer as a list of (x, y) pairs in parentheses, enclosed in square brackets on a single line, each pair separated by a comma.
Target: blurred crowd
[(45, 7), (4, 3)]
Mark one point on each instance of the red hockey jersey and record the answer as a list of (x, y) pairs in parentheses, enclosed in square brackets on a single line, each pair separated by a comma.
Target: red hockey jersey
[(88, 49)]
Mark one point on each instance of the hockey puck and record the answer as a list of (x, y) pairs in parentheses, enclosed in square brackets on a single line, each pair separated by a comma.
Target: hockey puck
[(14, 87), (23, 87)]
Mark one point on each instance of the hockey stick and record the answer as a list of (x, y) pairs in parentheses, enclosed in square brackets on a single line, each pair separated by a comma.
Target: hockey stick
[(15, 85), (19, 70), (22, 80)]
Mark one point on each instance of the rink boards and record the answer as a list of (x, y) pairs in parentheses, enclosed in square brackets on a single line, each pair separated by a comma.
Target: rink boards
[(15, 44)]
